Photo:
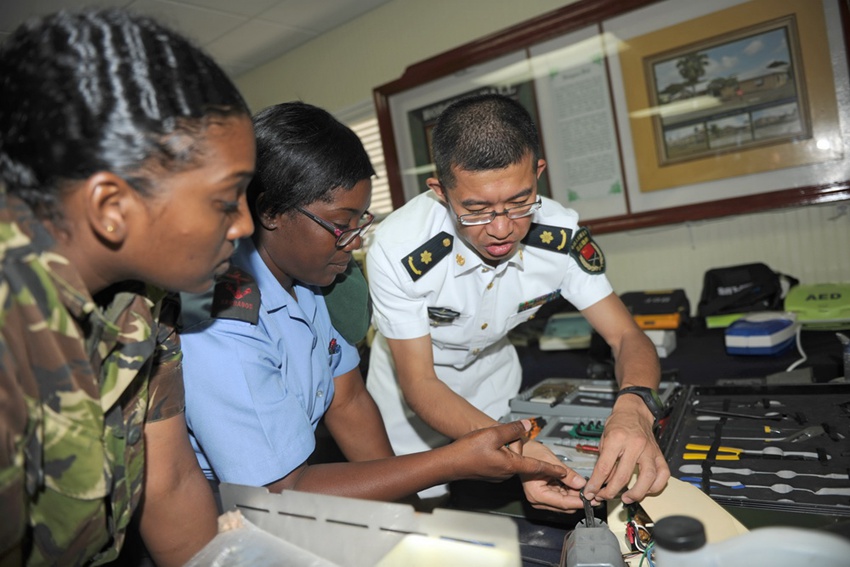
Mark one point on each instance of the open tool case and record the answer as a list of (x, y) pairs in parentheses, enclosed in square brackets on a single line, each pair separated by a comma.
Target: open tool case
[(575, 411), (773, 447)]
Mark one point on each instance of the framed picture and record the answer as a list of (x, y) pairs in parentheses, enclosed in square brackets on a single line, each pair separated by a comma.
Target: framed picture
[(753, 85), (654, 112), (737, 98)]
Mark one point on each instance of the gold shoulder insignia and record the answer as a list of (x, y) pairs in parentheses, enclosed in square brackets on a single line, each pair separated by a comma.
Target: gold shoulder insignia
[(418, 262), (554, 238), (587, 253)]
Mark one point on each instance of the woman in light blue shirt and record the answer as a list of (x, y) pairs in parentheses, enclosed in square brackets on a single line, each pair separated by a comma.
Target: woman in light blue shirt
[(268, 365)]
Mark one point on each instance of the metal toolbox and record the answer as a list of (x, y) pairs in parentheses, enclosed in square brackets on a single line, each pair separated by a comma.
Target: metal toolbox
[(574, 410)]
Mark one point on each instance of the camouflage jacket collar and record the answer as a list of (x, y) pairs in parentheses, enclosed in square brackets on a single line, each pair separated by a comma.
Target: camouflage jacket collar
[(26, 237)]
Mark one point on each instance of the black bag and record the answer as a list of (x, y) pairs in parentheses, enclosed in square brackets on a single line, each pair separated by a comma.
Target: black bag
[(744, 288)]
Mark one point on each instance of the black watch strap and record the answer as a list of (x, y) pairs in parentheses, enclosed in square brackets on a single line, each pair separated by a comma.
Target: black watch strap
[(650, 398)]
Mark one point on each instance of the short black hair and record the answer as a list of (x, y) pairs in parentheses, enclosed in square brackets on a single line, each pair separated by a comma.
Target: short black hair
[(481, 133), (102, 90), (303, 155)]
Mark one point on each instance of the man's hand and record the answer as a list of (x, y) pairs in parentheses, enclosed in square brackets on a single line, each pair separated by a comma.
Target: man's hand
[(628, 441), (559, 495), (483, 454)]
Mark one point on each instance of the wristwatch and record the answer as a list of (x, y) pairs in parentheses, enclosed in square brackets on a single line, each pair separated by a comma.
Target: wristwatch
[(650, 398)]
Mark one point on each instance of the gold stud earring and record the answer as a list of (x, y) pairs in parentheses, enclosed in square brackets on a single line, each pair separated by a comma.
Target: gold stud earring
[(110, 228)]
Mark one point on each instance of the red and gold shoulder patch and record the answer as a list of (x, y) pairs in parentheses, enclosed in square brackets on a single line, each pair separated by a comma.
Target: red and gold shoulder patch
[(418, 262), (236, 296), (554, 238), (587, 253)]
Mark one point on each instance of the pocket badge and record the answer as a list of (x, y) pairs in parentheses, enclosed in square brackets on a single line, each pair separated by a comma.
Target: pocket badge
[(440, 316)]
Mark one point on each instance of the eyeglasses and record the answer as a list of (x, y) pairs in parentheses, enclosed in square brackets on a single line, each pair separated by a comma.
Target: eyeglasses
[(343, 237), (513, 213)]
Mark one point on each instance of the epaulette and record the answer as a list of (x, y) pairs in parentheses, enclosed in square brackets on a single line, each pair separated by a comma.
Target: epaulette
[(554, 238), (236, 296), (418, 262), (587, 253)]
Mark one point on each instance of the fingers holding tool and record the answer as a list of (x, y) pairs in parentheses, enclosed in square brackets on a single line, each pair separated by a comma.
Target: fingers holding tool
[(536, 425), (627, 442)]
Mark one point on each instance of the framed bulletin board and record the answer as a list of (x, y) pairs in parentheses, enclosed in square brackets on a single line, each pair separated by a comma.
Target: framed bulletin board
[(654, 111)]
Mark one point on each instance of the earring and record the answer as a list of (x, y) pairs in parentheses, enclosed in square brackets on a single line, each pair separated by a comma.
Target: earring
[(110, 228)]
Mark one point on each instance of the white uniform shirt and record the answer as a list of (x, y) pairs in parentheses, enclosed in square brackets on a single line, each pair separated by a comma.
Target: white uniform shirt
[(471, 352)]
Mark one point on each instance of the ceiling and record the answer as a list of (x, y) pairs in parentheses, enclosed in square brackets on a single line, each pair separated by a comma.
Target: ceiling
[(239, 34)]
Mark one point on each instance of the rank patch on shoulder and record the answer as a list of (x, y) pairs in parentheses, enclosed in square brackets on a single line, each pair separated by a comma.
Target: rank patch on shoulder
[(236, 296), (554, 238), (418, 262), (526, 305), (587, 253)]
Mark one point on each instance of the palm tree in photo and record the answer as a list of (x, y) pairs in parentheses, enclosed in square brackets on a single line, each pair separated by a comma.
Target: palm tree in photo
[(692, 67)]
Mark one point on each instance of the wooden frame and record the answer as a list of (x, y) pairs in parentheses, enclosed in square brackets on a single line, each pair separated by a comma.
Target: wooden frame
[(807, 173)]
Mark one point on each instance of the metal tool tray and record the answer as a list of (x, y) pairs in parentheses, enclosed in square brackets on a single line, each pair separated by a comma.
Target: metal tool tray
[(577, 402), (695, 420)]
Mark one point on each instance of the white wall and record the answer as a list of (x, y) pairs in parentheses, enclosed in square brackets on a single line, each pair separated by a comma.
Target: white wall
[(810, 243), (340, 69)]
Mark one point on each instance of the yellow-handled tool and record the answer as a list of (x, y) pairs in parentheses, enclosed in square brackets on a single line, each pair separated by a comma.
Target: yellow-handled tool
[(734, 453), (723, 453)]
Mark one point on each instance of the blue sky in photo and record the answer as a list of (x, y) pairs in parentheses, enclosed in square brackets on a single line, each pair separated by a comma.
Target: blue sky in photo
[(745, 58)]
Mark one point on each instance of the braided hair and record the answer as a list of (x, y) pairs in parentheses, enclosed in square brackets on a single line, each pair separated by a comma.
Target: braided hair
[(102, 90)]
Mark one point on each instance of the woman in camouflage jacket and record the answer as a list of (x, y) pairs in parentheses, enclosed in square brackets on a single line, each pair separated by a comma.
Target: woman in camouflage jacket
[(125, 153)]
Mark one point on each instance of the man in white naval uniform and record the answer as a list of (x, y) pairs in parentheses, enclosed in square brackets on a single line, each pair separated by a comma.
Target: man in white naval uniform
[(457, 267)]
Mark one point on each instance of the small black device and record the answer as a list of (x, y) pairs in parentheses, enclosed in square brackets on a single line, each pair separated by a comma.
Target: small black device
[(650, 398)]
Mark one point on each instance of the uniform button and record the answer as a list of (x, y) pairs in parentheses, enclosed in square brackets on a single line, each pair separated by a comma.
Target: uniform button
[(530, 317), (484, 270), (484, 326), (319, 393), (134, 435), (490, 285), (476, 350)]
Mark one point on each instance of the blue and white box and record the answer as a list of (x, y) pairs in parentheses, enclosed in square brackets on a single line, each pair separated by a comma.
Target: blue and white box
[(762, 333)]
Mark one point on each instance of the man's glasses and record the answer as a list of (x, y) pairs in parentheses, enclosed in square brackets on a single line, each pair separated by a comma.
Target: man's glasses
[(513, 213), (346, 236)]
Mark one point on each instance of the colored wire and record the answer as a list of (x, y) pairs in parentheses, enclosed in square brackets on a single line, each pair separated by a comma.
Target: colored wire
[(647, 555)]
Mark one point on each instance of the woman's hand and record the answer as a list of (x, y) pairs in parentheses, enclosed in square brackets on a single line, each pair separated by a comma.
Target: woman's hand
[(484, 455)]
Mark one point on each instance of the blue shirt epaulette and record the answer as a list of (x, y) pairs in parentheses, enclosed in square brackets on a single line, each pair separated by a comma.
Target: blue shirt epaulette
[(418, 262), (236, 296), (554, 238)]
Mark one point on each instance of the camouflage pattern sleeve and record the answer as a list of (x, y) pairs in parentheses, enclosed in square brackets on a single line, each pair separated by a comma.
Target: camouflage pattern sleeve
[(13, 429), (166, 395)]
